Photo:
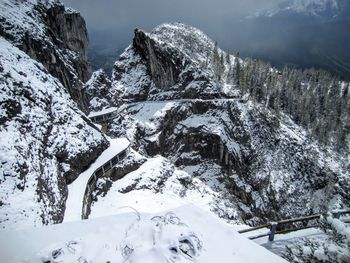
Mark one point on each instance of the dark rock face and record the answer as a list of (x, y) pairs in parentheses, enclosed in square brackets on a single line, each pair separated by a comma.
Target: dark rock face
[(164, 64), (81, 161), (69, 32), (259, 164), (70, 28), (58, 39)]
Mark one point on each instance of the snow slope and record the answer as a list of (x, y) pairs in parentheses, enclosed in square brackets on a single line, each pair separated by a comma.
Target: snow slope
[(156, 186), (180, 235), (76, 189)]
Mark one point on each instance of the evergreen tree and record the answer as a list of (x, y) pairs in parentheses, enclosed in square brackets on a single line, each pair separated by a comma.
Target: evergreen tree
[(312, 98), (237, 70), (216, 62)]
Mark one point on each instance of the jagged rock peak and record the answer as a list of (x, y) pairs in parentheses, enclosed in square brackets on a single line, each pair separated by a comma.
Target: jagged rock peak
[(47, 141), (173, 61), (36, 18), (181, 41), (190, 40)]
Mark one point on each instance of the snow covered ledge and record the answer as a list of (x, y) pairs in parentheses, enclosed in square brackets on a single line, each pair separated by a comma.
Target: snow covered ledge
[(186, 234)]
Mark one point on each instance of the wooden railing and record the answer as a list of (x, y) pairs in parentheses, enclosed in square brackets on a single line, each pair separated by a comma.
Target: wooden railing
[(98, 173), (273, 226)]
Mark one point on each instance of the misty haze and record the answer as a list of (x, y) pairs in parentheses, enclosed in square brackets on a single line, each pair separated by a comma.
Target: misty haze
[(166, 131), (299, 39)]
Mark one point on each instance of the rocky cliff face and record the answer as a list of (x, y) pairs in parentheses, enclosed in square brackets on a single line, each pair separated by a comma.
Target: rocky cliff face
[(97, 91), (54, 36), (164, 65), (46, 141), (261, 165)]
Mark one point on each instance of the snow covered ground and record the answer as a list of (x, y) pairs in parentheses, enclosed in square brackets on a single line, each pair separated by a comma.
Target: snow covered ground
[(76, 189), (157, 186), (291, 238), (145, 196), (184, 234)]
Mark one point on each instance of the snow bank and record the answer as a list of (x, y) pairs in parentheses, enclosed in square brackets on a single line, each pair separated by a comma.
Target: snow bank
[(156, 186), (185, 234)]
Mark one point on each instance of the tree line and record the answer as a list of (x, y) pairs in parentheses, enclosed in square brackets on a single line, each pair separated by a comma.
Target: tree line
[(314, 99)]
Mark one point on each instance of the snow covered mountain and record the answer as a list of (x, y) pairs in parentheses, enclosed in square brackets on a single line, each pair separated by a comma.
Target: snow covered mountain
[(211, 135), (251, 160), (46, 141), (205, 141), (325, 9)]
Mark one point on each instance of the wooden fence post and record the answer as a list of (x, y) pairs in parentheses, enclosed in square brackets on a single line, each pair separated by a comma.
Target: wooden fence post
[(273, 229)]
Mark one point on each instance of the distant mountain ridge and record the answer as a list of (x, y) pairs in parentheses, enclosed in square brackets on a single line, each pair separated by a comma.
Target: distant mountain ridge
[(326, 9), (301, 34)]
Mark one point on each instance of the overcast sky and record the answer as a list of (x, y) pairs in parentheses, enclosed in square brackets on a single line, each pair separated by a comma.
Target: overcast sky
[(120, 17), (291, 41), (114, 14)]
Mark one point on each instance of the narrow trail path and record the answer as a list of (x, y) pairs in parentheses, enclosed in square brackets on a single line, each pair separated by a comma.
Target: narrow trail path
[(111, 112), (76, 190)]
